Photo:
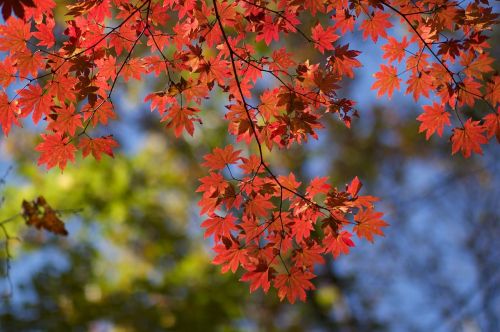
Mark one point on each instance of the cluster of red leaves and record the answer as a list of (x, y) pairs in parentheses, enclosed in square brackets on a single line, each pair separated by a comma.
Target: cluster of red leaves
[(261, 220), (264, 225)]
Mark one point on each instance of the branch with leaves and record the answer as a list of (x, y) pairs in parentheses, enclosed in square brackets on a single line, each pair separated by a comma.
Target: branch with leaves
[(272, 226)]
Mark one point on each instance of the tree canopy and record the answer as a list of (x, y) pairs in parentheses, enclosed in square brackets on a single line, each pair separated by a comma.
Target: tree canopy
[(63, 72)]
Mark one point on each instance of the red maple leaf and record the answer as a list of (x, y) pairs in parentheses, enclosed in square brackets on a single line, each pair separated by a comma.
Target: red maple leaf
[(301, 229), (293, 285), (259, 206), (230, 257), (344, 61), (476, 66), (66, 120), (55, 150), (269, 31), (258, 276), (32, 99), (433, 120), (318, 186), (45, 33), (181, 118), (419, 83), (338, 243), (394, 50), (7, 71), (376, 25), (492, 125), (101, 113), (354, 187), (9, 112), (468, 139), (324, 39), (307, 256), (219, 226), (492, 90), (290, 183), (219, 158), (387, 80), (368, 224), (97, 146), (14, 34)]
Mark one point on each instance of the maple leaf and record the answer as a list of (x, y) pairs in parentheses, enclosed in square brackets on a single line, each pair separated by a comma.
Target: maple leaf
[(419, 84), (97, 146), (492, 125), (55, 150), (13, 35), (268, 107), (293, 285), (219, 158), (433, 120), (387, 81), (376, 25), (29, 63), (301, 229), (344, 61), (281, 59), (100, 114), (338, 243), (250, 165), (45, 34), (212, 184), (307, 256), (476, 66), (65, 119), (394, 50), (7, 71), (219, 226), (318, 186), (269, 31), (133, 68), (468, 139), (32, 99), (259, 206), (290, 183), (344, 21), (107, 67), (368, 224), (181, 118), (230, 257), (258, 276), (354, 187), (9, 112), (469, 91), (324, 39)]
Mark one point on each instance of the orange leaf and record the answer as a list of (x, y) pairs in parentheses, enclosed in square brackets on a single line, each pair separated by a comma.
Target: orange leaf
[(56, 150), (219, 158), (376, 25), (96, 146), (387, 81), (324, 39), (492, 125), (9, 111), (468, 139), (433, 120), (368, 223)]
